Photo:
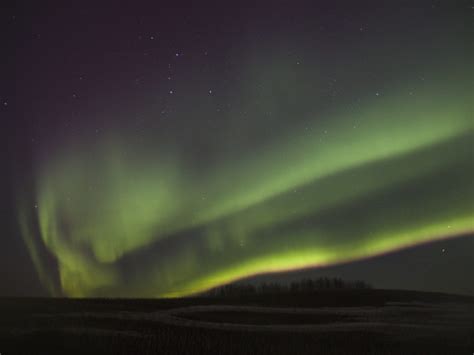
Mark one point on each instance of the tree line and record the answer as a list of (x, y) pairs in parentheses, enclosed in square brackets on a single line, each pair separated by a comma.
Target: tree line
[(302, 286)]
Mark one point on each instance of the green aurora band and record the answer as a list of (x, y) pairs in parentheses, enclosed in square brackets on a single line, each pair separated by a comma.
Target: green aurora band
[(122, 220)]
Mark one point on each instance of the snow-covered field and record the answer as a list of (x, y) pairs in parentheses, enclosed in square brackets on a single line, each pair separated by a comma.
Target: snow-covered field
[(191, 327)]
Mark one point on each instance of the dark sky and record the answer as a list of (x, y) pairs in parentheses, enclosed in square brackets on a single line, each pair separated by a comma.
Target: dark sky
[(163, 148)]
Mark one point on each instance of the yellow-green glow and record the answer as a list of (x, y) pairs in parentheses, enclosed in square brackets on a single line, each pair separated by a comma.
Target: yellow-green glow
[(123, 220)]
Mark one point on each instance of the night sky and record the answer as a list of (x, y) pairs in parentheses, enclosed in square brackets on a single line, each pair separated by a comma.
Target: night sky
[(164, 149)]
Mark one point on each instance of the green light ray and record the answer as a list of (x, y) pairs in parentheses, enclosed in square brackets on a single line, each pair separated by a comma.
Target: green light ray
[(100, 203)]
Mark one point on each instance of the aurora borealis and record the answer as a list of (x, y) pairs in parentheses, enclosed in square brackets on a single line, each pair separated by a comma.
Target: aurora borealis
[(249, 147)]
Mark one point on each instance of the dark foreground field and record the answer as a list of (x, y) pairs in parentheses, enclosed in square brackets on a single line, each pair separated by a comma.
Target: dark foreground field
[(326, 322)]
